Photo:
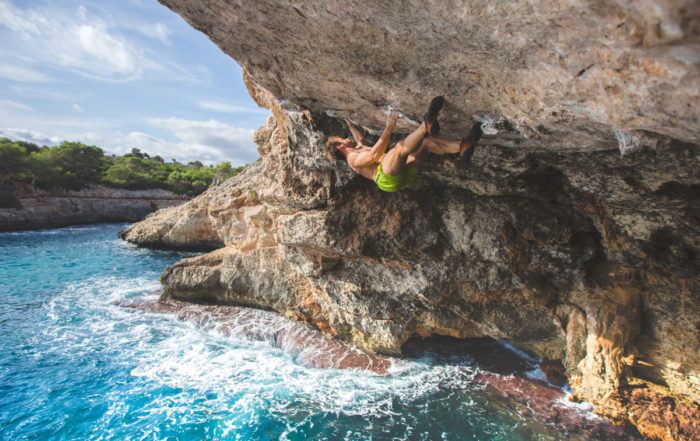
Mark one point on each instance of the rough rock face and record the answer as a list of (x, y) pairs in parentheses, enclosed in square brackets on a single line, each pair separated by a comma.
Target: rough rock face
[(551, 239), (567, 75), (589, 258), (35, 209)]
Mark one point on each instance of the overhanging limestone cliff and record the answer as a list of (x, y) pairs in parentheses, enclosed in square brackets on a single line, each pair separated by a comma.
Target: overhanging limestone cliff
[(566, 75), (589, 258), (551, 239)]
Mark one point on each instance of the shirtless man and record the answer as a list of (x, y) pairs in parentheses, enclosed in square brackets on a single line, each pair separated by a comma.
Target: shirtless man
[(398, 169)]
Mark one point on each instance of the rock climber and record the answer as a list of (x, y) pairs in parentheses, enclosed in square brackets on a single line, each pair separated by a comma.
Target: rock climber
[(399, 168)]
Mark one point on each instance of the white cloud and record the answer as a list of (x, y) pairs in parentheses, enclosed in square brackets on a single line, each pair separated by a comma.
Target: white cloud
[(229, 108), (33, 136), (210, 141), (56, 138), (48, 48), (15, 105), (161, 32), (120, 143), (149, 144), (82, 12), (111, 53), (16, 22), (158, 31), (49, 37), (22, 74), (182, 151)]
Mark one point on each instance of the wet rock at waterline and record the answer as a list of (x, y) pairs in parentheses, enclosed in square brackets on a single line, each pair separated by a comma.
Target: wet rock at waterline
[(501, 372), (309, 346)]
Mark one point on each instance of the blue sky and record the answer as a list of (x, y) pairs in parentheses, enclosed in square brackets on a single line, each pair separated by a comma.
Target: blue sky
[(121, 74)]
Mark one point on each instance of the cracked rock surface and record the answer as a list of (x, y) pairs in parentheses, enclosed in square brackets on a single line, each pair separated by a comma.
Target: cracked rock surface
[(574, 233)]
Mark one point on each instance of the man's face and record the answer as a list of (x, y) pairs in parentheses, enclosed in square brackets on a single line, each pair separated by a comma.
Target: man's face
[(349, 143)]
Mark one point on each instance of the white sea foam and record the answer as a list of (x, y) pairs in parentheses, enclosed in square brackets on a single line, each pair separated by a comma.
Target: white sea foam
[(519, 352), (190, 358), (243, 375), (242, 382), (537, 374), (583, 409)]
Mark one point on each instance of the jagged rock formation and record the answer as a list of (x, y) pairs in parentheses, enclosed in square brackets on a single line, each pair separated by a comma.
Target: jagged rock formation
[(25, 208), (551, 239), (589, 258)]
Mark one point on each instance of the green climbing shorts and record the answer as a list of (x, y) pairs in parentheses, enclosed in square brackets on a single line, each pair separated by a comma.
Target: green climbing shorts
[(396, 183)]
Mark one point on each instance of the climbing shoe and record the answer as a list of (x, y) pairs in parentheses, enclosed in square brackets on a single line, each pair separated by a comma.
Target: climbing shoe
[(433, 110), (435, 129), (467, 145)]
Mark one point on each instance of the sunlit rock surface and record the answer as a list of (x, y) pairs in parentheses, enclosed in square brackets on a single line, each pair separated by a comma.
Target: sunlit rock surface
[(574, 234)]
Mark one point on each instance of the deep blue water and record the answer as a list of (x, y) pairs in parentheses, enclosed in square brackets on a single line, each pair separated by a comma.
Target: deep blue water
[(75, 367)]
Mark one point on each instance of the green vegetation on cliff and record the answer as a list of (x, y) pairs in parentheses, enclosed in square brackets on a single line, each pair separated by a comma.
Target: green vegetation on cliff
[(73, 165)]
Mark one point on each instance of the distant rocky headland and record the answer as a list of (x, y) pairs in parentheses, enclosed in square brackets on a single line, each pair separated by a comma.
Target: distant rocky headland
[(74, 183), (23, 207), (574, 233)]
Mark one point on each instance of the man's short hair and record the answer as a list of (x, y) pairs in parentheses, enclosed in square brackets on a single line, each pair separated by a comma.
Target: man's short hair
[(332, 149)]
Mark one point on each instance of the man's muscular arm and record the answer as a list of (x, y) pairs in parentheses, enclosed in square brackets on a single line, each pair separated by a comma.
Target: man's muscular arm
[(367, 157), (359, 139), (383, 142)]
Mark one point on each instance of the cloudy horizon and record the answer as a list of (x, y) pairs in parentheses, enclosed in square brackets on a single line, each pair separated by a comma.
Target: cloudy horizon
[(121, 75)]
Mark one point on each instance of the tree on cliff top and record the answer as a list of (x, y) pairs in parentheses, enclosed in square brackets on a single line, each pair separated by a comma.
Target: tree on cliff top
[(85, 161), (12, 158), (73, 165)]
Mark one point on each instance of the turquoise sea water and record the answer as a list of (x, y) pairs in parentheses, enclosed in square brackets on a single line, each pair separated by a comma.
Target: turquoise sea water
[(75, 367)]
